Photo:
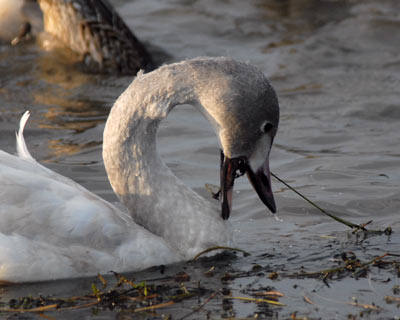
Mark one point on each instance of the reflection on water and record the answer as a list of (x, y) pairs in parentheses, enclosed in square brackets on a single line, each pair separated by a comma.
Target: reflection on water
[(311, 13), (59, 95), (59, 68), (61, 91), (291, 21), (61, 148), (335, 66)]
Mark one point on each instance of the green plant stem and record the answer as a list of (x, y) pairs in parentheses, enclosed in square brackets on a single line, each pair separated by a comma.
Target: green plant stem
[(347, 223)]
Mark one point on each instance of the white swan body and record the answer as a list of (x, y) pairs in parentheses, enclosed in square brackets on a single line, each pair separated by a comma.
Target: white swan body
[(11, 18), (51, 227)]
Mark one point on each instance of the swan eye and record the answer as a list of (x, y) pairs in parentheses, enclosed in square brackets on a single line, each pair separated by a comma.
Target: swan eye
[(267, 127)]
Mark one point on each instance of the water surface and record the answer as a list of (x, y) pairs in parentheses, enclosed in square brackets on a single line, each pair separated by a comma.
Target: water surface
[(336, 68)]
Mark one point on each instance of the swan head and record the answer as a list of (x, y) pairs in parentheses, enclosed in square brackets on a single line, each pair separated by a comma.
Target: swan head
[(246, 146), (244, 110)]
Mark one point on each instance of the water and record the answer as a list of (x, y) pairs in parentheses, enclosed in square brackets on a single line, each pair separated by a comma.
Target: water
[(335, 66)]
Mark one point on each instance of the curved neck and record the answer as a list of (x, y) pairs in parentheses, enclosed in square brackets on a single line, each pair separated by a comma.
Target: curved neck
[(156, 198)]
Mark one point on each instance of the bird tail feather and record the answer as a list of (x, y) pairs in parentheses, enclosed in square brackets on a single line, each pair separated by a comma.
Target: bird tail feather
[(22, 149)]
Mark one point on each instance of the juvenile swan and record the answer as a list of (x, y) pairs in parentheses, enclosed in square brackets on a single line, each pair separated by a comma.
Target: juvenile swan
[(52, 228)]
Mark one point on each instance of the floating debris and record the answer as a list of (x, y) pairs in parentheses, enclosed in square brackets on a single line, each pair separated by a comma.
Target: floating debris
[(245, 253), (255, 300)]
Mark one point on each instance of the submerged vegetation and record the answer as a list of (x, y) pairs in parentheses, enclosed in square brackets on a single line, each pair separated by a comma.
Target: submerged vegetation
[(190, 294), (124, 295)]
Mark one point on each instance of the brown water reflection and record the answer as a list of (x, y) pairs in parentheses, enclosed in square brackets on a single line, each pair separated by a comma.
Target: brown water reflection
[(294, 20), (65, 106)]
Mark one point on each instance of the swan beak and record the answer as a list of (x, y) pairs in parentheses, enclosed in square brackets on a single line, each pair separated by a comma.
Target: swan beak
[(228, 176), (260, 179)]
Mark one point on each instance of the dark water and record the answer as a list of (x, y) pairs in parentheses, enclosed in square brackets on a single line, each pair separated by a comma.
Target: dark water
[(336, 68)]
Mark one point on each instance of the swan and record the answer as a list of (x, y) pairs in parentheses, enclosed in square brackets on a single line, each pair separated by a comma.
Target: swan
[(96, 32), (14, 17), (53, 228)]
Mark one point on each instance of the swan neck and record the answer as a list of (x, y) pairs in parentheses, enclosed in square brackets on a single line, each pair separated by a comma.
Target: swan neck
[(155, 197)]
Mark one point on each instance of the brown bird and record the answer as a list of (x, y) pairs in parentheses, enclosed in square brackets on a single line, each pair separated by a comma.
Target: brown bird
[(96, 32)]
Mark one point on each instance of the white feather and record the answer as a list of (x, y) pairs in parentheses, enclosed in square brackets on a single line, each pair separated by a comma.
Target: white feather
[(22, 149)]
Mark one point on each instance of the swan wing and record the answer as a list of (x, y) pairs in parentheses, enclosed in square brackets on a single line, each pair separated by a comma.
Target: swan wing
[(51, 227)]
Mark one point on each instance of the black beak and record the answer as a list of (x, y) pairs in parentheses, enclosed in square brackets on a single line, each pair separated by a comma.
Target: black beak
[(261, 181), (229, 167)]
